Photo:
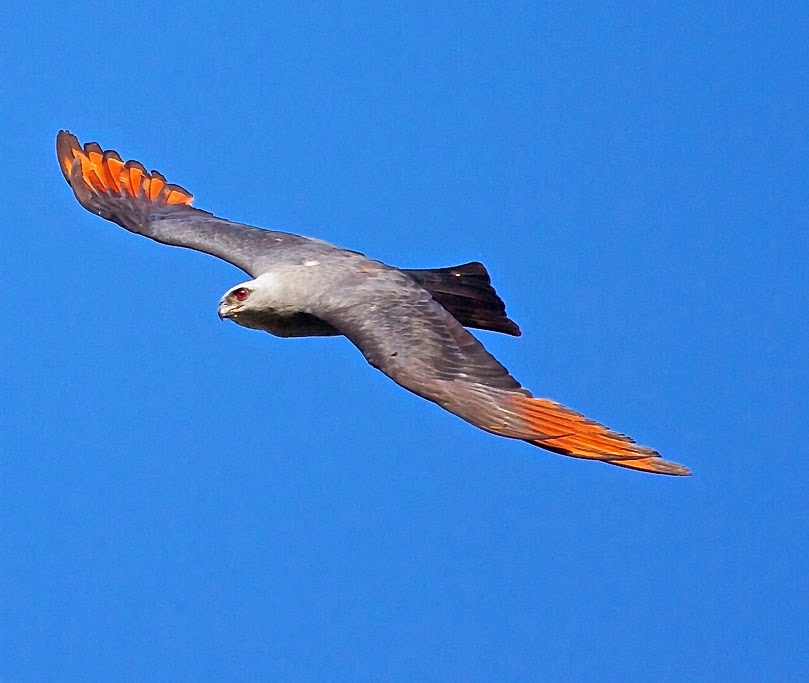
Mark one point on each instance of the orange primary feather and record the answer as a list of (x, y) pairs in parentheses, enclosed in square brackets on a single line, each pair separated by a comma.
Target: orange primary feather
[(562, 430), (104, 172)]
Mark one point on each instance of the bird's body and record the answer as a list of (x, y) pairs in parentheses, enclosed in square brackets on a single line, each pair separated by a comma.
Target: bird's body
[(410, 324)]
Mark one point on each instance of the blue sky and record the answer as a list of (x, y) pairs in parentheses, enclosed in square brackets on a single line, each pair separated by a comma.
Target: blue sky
[(182, 498)]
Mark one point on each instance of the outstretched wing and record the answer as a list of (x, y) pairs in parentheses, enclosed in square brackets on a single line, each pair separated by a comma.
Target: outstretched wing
[(405, 333), (144, 203)]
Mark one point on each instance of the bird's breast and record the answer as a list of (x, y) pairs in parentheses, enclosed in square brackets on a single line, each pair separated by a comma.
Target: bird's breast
[(285, 325)]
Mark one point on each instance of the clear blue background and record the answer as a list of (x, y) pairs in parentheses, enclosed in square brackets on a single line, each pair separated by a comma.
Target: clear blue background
[(183, 498)]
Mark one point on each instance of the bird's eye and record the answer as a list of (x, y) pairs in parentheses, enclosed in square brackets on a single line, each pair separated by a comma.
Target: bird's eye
[(241, 294)]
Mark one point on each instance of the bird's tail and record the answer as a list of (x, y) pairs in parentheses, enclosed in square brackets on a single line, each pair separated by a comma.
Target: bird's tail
[(466, 292)]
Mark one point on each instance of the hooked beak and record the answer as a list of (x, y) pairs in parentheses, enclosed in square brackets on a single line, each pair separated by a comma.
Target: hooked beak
[(226, 310)]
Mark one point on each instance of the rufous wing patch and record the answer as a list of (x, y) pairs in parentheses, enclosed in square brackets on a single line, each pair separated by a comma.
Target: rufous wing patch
[(103, 172), (113, 162), (562, 430)]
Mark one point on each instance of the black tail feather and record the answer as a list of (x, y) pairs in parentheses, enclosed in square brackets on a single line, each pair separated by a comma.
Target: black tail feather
[(467, 293)]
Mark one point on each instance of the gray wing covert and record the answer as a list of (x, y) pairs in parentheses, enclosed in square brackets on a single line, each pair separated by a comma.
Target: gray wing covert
[(402, 331), (144, 203)]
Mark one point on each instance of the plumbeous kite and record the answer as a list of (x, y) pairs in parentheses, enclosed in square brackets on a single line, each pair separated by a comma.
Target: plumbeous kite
[(410, 324)]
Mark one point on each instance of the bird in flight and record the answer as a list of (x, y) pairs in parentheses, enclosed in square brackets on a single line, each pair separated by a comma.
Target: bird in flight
[(410, 324)]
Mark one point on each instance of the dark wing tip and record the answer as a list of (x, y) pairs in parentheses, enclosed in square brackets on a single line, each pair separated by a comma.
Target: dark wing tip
[(67, 147), (655, 465)]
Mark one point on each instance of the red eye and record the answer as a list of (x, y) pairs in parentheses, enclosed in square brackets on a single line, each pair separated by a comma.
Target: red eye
[(241, 294)]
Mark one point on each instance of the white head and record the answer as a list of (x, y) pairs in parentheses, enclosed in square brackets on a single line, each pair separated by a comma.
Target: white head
[(248, 298), (264, 304)]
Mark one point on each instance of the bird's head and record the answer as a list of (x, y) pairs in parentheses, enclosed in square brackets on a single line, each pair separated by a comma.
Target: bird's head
[(252, 304), (239, 300)]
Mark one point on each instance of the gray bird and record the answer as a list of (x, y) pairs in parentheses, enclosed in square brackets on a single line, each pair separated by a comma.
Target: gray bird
[(407, 323)]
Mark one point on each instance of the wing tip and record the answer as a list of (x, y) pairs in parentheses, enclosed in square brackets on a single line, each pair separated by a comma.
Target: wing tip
[(654, 465), (91, 170), (564, 431), (67, 147)]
